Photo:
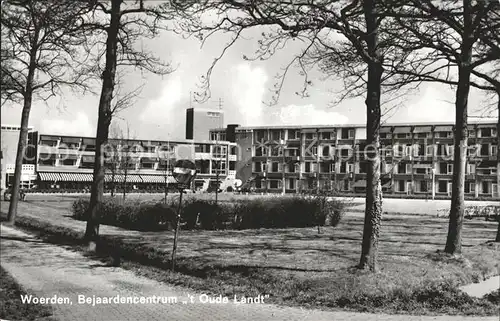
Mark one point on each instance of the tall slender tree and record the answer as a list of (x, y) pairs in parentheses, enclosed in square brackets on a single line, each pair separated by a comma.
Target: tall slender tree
[(450, 33), (40, 55), (120, 25), (325, 27)]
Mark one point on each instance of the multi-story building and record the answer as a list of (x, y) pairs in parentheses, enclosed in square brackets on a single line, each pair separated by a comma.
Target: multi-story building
[(67, 161), (9, 142), (417, 158), (199, 121)]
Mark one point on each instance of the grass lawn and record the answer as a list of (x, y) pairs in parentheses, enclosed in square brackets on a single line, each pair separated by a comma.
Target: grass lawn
[(298, 266), (11, 306)]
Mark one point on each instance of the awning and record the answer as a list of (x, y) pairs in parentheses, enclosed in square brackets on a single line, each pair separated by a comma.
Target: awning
[(49, 176), (402, 130), (118, 178), (426, 129), (443, 128), (68, 177), (84, 177), (360, 183), (157, 179), (133, 178), (385, 129)]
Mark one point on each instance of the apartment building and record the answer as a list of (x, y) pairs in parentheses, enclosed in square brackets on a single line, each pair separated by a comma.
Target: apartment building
[(68, 161), (9, 142), (417, 158)]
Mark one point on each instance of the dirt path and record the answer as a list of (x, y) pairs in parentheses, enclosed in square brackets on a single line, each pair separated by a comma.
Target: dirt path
[(48, 270)]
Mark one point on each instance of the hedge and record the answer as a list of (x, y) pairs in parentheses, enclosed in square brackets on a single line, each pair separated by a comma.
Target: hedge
[(297, 211)]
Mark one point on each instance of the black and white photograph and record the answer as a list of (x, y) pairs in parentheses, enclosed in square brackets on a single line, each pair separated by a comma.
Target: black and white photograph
[(293, 160)]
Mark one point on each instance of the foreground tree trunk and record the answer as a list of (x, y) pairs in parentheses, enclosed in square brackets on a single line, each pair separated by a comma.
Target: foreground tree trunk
[(103, 123), (373, 207), (23, 134), (497, 239), (454, 238)]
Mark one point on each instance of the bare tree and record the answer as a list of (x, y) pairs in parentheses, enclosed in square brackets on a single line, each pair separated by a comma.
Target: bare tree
[(39, 57), (352, 31), (451, 34), (120, 24)]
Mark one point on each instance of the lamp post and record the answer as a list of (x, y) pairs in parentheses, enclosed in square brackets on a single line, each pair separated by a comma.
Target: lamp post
[(184, 172)]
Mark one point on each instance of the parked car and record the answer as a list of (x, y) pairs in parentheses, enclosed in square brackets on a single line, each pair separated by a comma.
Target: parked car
[(8, 193)]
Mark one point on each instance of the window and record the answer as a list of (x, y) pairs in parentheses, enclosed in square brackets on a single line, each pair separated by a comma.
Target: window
[(485, 148), (403, 135), (347, 133), (147, 165), (274, 183), (260, 151), (469, 187), (310, 135), (450, 169), (421, 171), (363, 167), (422, 135), (401, 185), (47, 162), (326, 135), (259, 135), (383, 135), (486, 132), (68, 162), (443, 186), (343, 167), (401, 168), (291, 168), (326, 151), (346, 185), (307, 167), (258, 167), (485, 187), (276, 135), (274, 167), (443, 169), (291, 183), (276, 151), (423, 186), (293, 134), (51, 143), (232, 165), (494, 150), (344, 152), (420, 150)]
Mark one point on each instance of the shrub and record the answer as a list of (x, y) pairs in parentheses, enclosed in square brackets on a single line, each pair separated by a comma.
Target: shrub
[(211, 215)]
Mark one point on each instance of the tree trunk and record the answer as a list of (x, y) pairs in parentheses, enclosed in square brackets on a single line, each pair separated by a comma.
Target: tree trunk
[(177, 227), (23, 134), (103, 123), (454, 238), (373, 207), (497, 239)]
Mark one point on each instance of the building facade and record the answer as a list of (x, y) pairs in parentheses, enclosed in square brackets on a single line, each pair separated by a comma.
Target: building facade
[(199, 121), (68, 161), (9, 142), (417, 159)]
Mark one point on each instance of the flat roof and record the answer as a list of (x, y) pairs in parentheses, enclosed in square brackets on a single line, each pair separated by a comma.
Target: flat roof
[(186, 141), (492, 121)]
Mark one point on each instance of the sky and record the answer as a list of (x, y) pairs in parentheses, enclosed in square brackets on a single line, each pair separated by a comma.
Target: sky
[(244, 87)]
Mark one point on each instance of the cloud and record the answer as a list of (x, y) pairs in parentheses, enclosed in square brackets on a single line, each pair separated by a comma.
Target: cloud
[(79, 126), (163, 108), (433, 105), (248, 91), (306, 115)]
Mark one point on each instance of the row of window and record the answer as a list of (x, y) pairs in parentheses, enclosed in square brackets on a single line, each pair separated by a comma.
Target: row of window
[(397, 151), (346, 167), (349, 133)]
